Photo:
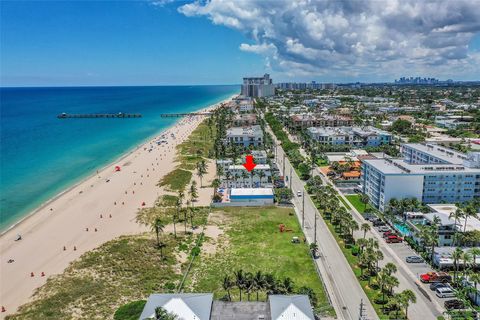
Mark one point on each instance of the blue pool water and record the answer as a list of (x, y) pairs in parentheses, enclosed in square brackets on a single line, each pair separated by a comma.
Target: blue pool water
[(42, 155), (403, 229)]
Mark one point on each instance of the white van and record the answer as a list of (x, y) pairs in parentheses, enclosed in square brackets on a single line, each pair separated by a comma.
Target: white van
[(445, 292)]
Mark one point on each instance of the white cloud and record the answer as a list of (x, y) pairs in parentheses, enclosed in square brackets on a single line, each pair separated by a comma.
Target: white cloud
[(351, 37)]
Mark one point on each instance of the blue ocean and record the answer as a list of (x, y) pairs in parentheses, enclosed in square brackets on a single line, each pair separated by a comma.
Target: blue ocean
[(42, 155)]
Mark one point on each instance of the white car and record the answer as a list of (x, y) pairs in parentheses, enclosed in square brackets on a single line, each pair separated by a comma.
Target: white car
[(299, 193), (445, 292), (383, 229)]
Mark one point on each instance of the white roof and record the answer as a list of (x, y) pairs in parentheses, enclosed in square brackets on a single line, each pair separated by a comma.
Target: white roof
[(257, 167), (444, 211), (251, 191)]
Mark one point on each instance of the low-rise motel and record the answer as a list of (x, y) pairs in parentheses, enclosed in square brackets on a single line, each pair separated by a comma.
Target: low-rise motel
[(428, 172)]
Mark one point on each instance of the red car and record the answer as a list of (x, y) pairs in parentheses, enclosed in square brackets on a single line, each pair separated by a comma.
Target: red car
[(393, 239), (388, 233), (430, 277)]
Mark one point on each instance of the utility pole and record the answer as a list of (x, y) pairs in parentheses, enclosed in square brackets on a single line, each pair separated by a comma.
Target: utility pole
[(303, 209), (283, 171), (315, 230), (290, 177), (361, 315)]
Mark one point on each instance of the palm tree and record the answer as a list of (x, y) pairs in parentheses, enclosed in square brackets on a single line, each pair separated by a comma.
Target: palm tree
[(158, 227), (467, 259), (201, 171), (287, 285), (162, 314), (215, 185), (456, 215), (390, 268), (240, 281), (228, 175), (227, 286), (364, 198), (365, 227), (382, 281), (261, 174), (469, 212), (193, 192), (475, 252), (475, 278), (244, 176), (456, 256), (248, 284), (378, 257), (352, 226), (258, 282), (407, 297)]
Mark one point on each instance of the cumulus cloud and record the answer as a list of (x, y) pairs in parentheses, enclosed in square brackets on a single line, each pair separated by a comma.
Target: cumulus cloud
[(351, 37)]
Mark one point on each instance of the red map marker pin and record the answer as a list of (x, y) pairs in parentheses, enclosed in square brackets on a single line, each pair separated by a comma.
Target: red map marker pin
[(249, 165)]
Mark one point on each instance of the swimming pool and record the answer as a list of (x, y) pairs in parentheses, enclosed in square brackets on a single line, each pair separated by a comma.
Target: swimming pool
[(403, 229)]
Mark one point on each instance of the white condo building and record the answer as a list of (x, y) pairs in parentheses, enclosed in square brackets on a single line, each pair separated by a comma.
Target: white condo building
[(245, 136), (430, 173)]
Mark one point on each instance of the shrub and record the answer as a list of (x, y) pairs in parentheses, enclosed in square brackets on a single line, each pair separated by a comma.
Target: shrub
[(130, 311)]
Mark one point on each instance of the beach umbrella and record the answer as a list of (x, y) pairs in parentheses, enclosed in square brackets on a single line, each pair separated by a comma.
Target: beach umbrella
[(117, 168)]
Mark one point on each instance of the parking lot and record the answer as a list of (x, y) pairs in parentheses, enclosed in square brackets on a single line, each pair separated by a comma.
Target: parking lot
[(403, 250), (347, 188)]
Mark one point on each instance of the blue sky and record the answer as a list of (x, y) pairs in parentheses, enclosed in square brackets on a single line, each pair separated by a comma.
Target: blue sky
[(219, 42), (121, 43)]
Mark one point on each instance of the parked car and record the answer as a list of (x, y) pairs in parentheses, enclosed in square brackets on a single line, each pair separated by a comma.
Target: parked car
[(383, 229), (378, 223), (435, 285), (370, 217), (388, 233), (394, 239), (454, 304), (414, 259), (299, 193), (445, 292), (432, 276)]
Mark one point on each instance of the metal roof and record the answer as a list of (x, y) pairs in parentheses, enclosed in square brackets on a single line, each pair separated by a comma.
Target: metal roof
[(294, 307), (186, 306)]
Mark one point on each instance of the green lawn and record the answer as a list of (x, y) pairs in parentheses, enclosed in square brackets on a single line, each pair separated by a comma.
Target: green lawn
[(176, 180), (354, 199), (252, 242)]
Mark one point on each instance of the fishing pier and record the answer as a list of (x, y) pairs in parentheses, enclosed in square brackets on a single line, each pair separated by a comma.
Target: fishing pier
[(99, 115)]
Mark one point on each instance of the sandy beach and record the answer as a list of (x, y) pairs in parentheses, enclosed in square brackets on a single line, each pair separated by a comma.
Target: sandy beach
[(100, 208)]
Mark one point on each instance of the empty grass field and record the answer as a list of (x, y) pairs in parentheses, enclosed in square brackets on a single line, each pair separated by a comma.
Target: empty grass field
[(251, 241)]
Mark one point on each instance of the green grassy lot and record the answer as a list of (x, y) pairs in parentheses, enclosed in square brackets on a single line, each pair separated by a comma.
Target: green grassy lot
[(197, 146), (176, 180), (252, 242), (354, 199), (94, 286)]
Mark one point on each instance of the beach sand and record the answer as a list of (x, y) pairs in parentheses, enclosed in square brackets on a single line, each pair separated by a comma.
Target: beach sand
[(56, 234)]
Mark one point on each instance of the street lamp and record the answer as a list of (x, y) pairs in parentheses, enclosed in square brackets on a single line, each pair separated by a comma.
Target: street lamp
[(315, 230), (303, 209)]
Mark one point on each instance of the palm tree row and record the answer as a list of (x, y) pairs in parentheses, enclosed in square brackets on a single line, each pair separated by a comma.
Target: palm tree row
[(255, 283)]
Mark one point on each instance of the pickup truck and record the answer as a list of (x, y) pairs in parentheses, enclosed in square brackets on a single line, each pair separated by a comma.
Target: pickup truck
[(393, 239), (430, 277)]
